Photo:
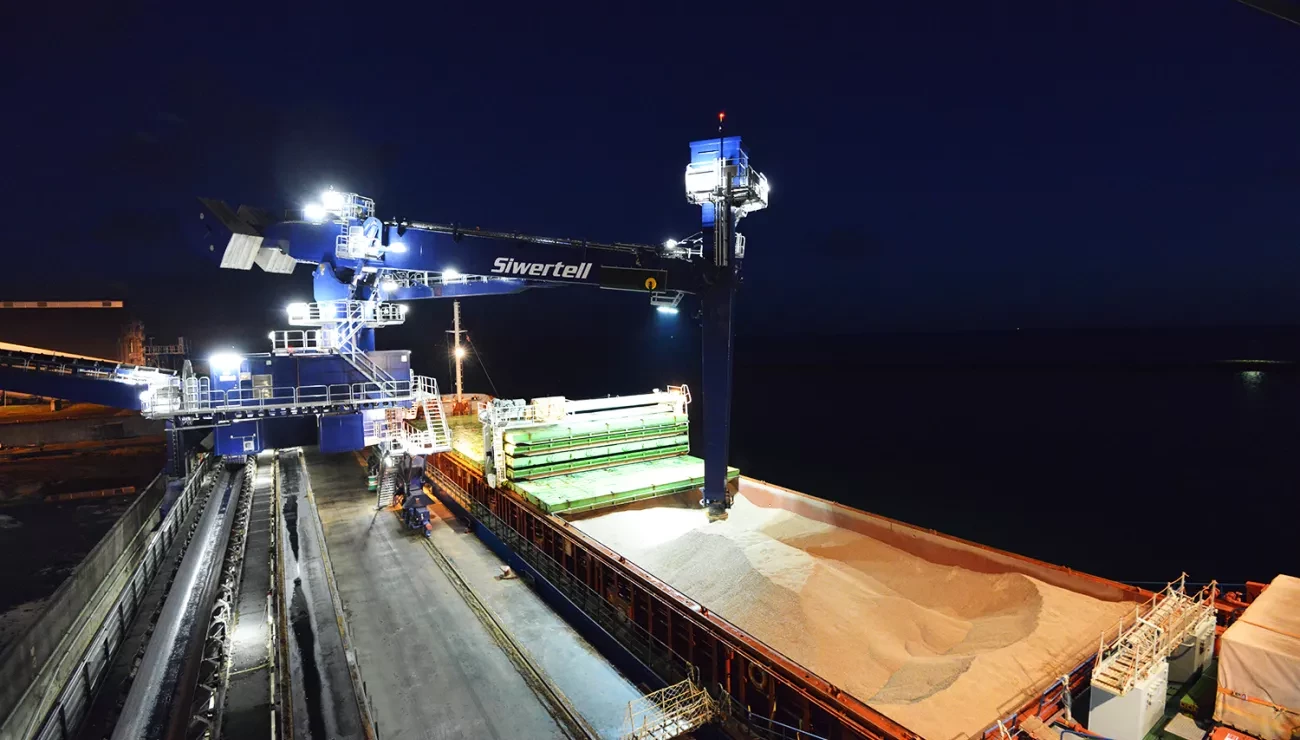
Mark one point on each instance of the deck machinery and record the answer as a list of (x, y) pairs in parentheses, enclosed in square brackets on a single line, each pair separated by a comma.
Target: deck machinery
[(575, 456)]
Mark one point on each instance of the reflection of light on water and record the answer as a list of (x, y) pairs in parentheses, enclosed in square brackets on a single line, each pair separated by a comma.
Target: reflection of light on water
[(1252, 378)]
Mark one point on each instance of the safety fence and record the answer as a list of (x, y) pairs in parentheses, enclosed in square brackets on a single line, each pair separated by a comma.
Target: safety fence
[(195, 396), (75, 700)]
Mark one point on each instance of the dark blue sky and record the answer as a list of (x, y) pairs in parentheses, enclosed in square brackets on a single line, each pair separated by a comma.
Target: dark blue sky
[(936, 165)]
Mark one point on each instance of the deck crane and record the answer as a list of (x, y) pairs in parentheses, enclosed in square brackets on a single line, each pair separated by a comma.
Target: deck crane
[(360, 260)]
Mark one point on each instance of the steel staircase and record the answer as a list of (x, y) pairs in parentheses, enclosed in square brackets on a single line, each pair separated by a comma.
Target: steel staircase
[(387, 487), (410, 439), (342, 323), (1169, 617), (397, 432)]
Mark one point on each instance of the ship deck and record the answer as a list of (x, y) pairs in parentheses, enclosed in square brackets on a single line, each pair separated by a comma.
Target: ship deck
[(942, 649), (942, 636)]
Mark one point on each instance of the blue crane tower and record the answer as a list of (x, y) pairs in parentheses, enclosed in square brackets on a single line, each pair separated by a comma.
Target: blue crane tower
[(363, 265)]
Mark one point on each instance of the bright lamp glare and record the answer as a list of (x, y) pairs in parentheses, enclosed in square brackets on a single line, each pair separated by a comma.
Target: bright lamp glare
[(671, 244), (404, 308), (145, 396), (271, 336), (296, 308), (450, 273), (666, 309), (224, 361), (460, 352), (332, 200), (315, 212), (397, 247), (388, 285)]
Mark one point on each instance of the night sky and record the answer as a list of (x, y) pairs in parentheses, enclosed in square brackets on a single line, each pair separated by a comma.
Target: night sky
[(935, 166)]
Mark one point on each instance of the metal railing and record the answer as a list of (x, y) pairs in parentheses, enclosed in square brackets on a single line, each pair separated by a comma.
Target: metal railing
[(74, 702), (196, 397), (300, 341), (670, 712), (396, 430), (669, 665), (421, 279), (343, 321), (368, 313), (758, 726), (1158, 626), (666, 663)]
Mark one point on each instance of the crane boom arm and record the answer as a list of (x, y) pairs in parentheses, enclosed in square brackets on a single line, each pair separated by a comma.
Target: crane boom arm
[(402, 247)]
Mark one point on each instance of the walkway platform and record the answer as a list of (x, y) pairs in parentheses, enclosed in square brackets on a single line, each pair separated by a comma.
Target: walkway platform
[(422, 647)]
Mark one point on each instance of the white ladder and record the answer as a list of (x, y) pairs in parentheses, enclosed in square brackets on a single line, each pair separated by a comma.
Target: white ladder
[(1170, 616)]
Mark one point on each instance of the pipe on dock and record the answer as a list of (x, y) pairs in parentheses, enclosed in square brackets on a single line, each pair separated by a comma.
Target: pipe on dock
[(160, 701)]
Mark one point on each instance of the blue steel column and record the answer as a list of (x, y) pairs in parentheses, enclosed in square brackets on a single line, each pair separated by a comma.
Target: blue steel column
[(717, 337), (716, 356)]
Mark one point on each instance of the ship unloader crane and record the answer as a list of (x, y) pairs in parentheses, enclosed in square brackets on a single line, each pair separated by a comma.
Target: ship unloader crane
[(363, 264)]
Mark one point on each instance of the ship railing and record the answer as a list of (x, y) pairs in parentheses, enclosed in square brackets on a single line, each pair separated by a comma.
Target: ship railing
[(666, 663), (201, 399), (367, 313), (758, 726)]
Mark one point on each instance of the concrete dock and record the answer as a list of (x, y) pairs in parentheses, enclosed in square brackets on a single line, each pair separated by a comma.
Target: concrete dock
[(446, 649)]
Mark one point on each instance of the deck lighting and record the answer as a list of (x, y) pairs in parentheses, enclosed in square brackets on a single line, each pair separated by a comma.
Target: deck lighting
[(666, 309), (388, 285), (450, 273), (460, 352), (224, 361), (315, 212), (332, 200), (296, 308), (397, 247)]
